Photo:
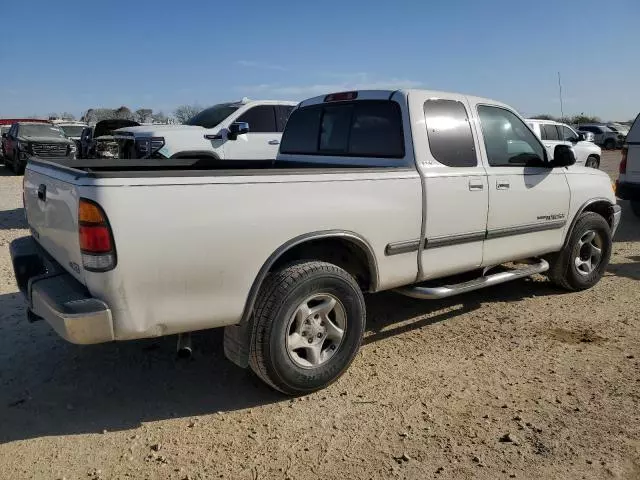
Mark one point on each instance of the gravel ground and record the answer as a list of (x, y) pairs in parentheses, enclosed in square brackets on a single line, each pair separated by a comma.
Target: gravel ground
[(517, 381)]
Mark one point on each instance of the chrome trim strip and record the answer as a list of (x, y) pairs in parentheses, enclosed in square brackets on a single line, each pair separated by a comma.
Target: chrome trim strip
[(522, 229), (458, 239), (406, 246)]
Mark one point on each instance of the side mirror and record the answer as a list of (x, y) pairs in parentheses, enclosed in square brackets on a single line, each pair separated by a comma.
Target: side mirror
[(237, 128), (582, 136), (563, 156)]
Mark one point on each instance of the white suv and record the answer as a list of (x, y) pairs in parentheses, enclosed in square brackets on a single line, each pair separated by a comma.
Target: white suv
[(554, 133), (244, 130), (628, 184)]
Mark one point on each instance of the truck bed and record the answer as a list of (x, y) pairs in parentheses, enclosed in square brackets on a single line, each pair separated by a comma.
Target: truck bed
[(187, 167)]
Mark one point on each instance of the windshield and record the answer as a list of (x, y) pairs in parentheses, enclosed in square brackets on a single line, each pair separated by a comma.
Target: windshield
[(211, 117), (72, 130), (37, 130)]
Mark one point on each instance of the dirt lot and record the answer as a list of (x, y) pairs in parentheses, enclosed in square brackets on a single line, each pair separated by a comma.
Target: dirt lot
[(519, 381)]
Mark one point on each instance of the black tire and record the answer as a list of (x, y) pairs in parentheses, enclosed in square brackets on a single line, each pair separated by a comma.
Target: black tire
[(593, 162), (635, 207), (279, 299), (563, 270), (18, 166), (609, 144), (7, 163)]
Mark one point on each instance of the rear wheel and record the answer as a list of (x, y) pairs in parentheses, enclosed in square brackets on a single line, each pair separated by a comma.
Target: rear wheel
[(635, 207), (308, 325), (609, 144), (584, 258), (592, 162)]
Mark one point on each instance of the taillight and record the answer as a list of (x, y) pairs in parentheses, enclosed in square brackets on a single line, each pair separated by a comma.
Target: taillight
[(623, 161), (96, 239), (342, 96)]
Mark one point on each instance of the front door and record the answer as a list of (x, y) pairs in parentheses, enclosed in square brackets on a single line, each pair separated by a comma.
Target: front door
[(262, 141), (528, 200), (456, 197)]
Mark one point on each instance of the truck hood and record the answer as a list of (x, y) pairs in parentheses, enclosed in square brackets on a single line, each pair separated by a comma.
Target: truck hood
[(65, 141), (152, 130), (106, 127)]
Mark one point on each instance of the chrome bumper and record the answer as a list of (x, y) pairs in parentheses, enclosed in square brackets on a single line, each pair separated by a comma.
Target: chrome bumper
[(54, 295), (616, 216)]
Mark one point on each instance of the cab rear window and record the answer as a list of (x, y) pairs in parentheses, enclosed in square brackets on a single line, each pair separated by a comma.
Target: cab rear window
[(365, 128)]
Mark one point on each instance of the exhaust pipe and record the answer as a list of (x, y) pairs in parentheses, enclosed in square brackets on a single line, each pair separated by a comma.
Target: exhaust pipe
[(184, 345)]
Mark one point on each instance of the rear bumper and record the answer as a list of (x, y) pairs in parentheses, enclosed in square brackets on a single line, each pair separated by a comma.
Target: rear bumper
[(628, 191), (55, 296)]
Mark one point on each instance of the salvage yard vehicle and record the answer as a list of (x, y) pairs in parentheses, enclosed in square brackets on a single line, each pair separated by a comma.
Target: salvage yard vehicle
[(628, 183), (99, 141), (371, 191), (71, 129), (42, 140), (604, 136), (244, 130), (554, 133)]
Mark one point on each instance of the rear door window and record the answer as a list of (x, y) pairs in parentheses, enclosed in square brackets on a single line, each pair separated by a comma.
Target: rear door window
[(549, 132), (282, 113), (366, 128), (449, 133)]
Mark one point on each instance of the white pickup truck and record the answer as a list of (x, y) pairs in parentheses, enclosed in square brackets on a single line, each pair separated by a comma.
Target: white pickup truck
[(372, 190), (244, 130)]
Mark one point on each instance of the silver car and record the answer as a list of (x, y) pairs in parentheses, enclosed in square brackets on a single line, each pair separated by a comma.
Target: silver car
[(604, 136)]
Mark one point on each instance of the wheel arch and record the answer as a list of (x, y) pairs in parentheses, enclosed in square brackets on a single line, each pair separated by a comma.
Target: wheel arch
[(602, 206), (196, 154), (311, 246)]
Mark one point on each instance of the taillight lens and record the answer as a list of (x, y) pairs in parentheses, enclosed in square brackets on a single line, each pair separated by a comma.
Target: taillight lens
[(96, 239), (623, 161)]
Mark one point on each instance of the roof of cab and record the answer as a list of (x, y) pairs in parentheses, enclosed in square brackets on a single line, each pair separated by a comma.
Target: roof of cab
[(388, 94)]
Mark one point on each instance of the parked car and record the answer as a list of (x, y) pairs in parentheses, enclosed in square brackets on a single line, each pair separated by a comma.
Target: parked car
[(360, 199), (554, 133), (619, 128), (604, 136), (99, 141), (219, 132), (628, 183), (72, 130), (4, 129), (44, 140)]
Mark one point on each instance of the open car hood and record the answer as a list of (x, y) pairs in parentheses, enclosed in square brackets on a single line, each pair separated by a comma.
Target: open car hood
[(106, 127)]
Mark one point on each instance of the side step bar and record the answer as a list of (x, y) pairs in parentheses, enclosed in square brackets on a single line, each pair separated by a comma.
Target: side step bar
[(433, 293)]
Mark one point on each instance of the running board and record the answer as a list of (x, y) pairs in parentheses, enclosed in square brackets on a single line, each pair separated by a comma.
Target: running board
[(433, 293)]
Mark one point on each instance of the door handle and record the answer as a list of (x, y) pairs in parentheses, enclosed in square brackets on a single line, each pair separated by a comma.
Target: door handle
[(475, 186), (502, 185), (42, 192), (274, 142)]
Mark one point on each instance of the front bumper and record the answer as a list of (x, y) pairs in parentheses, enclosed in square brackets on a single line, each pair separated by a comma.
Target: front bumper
[(628, 191), (54, 295)]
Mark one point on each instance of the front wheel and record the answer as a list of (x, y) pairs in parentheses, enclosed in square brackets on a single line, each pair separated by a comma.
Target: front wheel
[(635, 208), (308, 324), (609, 144), (592, 162), (584, 259)]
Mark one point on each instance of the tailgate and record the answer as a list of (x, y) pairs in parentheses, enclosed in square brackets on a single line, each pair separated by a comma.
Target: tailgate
[(51, 203)]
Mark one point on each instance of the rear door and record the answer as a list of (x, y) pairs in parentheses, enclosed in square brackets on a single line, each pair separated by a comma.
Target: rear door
[(633, 153), (51, 203), (456, 195), (528, 200), (263, 139)]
